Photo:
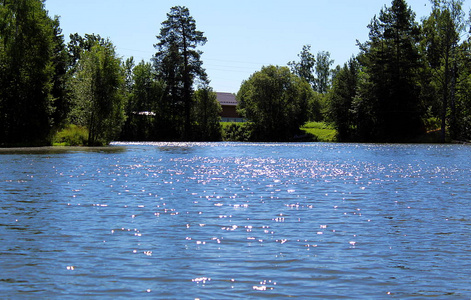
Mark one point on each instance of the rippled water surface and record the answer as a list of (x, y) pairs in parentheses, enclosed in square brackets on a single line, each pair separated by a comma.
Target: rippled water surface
[(229, 220)]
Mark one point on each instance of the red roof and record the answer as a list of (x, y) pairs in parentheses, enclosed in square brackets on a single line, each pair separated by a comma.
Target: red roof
[(226, 99)]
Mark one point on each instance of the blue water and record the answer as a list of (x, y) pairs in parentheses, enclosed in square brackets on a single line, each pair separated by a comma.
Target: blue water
[(236, 221)]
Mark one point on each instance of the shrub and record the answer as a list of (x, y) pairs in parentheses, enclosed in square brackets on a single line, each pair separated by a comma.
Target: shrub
[(237, 132), (71, 135)]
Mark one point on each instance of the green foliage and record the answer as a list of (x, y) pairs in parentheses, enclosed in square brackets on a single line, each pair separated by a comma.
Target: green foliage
[(276, 102), (442, 31), (388, 107), (144, 103), (128, 69), (309, 132), (178, 64), (207, 112), (318, 107), (323, 72), (98, 98), (407, 82), (432, 124), (322, 132), (26, 73), (237, 132), (78, 45), (306, 66), (463, 103), (71, 135), (406, 79), (61, 90), (314, 69), (341, 110)]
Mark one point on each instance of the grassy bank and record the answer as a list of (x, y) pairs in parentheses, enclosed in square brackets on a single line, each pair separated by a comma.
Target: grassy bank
[(314, 131), (323, 131)]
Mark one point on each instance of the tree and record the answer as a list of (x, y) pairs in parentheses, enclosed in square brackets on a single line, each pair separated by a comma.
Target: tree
[(61, 92), (442, 31), (315, 70), (178, 63), (128, 68), (276, 102), (323, 72), (341, 100), (26, 71), (207, 112), (305, 68), (463, 103), (143, 105), (318, 74), (98, 84), (78, 44), (389, 93)]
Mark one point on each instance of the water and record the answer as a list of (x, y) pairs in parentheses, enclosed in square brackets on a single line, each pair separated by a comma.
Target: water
[(231, 220)]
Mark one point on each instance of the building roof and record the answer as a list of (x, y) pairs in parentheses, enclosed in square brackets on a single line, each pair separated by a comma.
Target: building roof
[(226, 99)]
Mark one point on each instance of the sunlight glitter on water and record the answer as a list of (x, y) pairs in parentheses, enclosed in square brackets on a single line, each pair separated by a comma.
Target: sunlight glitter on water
[(210, 220)]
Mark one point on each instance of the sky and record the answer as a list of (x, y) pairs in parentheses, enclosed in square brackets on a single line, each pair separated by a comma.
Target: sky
[(243, 35)]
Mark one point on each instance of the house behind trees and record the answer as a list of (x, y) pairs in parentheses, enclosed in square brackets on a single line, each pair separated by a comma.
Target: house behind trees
[(229, 107)]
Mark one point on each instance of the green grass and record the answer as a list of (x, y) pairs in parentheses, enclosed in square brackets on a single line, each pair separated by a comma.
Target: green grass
[(323, 131)]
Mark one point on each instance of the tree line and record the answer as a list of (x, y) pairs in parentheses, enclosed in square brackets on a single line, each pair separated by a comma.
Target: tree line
[(86, 88), (409, 78)]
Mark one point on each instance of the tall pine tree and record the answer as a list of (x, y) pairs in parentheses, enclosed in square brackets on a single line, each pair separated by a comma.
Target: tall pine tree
[(178, 63), (391, 63)]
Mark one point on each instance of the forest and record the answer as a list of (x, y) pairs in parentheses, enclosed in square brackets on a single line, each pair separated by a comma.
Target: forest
[(410, 82)]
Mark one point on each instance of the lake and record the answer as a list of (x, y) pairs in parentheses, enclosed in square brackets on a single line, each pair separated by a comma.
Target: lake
[(236, 220)]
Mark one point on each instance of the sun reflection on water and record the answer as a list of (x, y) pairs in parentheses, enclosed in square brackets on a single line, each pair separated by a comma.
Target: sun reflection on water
[(224, 220)]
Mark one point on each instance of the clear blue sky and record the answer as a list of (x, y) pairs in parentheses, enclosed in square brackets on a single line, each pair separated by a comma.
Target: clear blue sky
[(243, 35)]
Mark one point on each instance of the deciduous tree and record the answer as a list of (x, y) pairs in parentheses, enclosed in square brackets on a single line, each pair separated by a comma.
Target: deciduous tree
[(314, 69), (207, 112), (323, 72), (26, 73), (306, 66), (442, 32), (276, 102), (143, 105), (98, 85)]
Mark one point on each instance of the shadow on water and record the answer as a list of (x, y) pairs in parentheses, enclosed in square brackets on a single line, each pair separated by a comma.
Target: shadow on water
[(61, 150), (176, 149)]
